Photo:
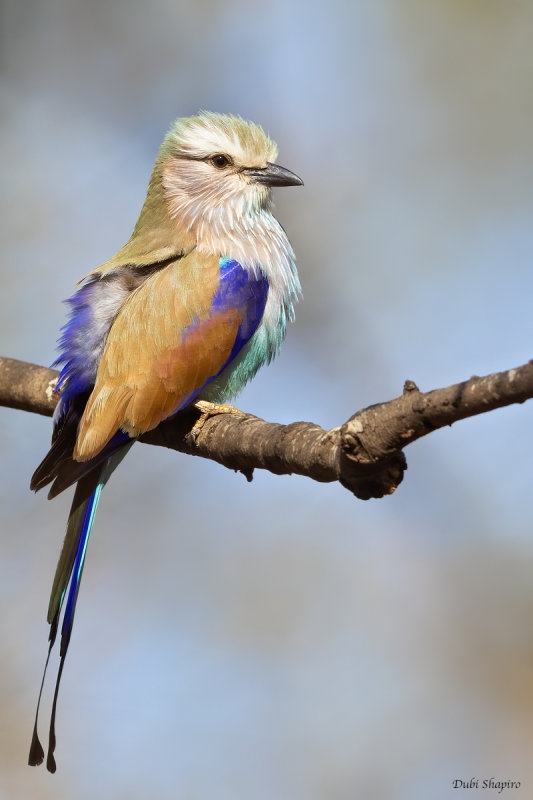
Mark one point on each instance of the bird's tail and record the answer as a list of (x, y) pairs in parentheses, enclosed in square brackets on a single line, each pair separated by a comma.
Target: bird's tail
[(68, 577)]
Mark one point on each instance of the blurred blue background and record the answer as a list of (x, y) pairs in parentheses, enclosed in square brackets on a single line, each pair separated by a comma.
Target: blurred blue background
[(283, 639)]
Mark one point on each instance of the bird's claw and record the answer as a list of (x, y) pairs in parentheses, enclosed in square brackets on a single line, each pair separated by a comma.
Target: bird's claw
[(207, 410)]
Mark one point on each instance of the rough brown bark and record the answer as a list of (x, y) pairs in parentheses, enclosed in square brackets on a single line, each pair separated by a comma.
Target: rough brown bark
[(365, 454)]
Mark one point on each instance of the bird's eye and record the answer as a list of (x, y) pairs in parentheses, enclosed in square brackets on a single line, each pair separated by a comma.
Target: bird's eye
[(220, 161)]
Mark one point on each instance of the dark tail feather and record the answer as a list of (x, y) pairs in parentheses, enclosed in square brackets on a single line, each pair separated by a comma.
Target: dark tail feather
[(68, 619), (60, 451), (70, 564), (63, 441), (70, 471), (50, 760), (58, 466), (36, 755), (69, 570)]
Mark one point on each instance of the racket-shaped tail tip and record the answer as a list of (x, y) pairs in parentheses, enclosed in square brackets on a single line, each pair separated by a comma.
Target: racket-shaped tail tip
[(36, 755)]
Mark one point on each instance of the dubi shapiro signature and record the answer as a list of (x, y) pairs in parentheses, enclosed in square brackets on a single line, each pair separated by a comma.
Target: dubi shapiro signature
[(485, 783)]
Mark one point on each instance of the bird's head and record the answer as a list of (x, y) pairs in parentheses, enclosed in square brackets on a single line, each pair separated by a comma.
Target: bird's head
[(218, 168)]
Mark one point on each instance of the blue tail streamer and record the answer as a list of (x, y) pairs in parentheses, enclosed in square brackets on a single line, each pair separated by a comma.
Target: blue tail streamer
[(72, 584), (67, 584), (68, 618)]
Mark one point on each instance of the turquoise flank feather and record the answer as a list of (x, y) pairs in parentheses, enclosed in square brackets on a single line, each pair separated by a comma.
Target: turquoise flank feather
[(260, 350)]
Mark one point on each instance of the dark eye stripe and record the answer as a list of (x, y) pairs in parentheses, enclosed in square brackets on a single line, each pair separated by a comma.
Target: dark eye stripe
[(228, 161)]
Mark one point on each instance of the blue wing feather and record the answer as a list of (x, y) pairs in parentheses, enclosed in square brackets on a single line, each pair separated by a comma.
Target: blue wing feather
[(238, 289)]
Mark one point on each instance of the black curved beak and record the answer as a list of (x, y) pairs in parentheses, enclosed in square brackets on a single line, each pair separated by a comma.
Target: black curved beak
[(273, 175)]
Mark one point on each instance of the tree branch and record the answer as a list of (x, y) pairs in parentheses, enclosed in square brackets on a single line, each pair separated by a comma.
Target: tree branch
[(365, 454)]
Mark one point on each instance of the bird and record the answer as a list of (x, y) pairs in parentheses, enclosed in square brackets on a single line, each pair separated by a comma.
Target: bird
[(196, 301)]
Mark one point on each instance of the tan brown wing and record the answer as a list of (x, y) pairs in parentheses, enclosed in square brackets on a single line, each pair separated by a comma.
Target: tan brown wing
[(163, 346)]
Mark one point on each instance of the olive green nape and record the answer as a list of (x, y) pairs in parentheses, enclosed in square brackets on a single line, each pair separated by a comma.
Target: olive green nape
[(156, 236)]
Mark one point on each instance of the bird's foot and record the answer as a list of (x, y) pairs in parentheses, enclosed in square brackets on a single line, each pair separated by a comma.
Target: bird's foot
[(207, 410)]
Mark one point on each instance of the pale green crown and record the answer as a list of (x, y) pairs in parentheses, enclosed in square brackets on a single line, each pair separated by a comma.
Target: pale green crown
[(209, 132)]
